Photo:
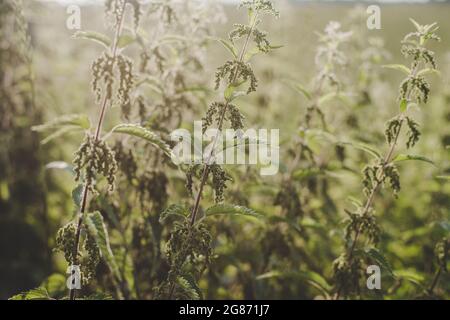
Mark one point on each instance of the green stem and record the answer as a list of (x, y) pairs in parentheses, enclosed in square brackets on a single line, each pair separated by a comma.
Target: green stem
[(206, 166), (98, 131)]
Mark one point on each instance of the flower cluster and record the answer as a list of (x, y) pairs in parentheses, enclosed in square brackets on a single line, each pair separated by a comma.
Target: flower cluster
[(347, 273), (232, 114), (377, 174), (91, 261), (66, 240), (329, 55), (262, 6), (103, 69), (237, 73), (362, 222), (415, 88), (95, 157)]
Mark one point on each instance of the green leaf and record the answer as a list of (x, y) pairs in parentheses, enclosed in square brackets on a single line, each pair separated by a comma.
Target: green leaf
[(228, 45), (125, 40), (172, 38), (317, 281), (143, 133), (230, 93), (275, 47), (73, 120), (427, 71), (443, 177), (194, 89), (300, 89), (415, 23), (330, 96), (227, 209), (173, 210), (318, 133), (93, 36), (55, 285), (411, 276), (403, 105), (363, 147), (379, 258), (77, 195), (398, 67), (97, 229), (269, 275), (193, 285), (63, 125), (33, 294), (310, 223), (59, 133), (408, 157), (60, 165), (190, 292), (313, 278)]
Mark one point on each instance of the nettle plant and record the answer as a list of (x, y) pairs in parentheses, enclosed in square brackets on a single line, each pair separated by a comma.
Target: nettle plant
[(169, 90), (326, 87), (361, 222), (189, 249), (303, 192), (85, 241), (368, 54)]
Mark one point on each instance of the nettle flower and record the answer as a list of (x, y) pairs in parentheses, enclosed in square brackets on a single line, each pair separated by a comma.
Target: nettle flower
[(66, 242), (186, 245), (379, 174), (218, 175), (415, 88), (103, 70), (262, 6), (232, 115), (115, 9), (236, 73), (329, 55), (95, 157)]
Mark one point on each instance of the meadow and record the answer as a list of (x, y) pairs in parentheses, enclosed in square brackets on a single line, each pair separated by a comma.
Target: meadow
[(92, 205)]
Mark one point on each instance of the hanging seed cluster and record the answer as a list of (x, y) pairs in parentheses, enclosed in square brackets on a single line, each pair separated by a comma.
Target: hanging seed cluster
[(66, 242), (413, 89), (103, 72), (92, 158)]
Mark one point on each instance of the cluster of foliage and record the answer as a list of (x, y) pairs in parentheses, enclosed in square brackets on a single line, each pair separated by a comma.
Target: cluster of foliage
[(141, 227)]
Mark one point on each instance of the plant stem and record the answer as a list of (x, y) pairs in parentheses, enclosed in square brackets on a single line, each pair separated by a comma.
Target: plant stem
[(435, 281), (205, 173), (370, 199), (222, 117), (98, 131)]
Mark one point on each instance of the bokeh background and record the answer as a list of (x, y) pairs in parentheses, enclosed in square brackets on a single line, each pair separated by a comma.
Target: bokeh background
[(35, 199)]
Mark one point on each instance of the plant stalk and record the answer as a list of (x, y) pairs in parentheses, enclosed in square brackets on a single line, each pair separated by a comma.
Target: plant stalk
[(205, 173), (98, 131)]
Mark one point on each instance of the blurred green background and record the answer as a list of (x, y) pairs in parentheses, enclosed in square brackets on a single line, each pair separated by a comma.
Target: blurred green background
[(35, 201)]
